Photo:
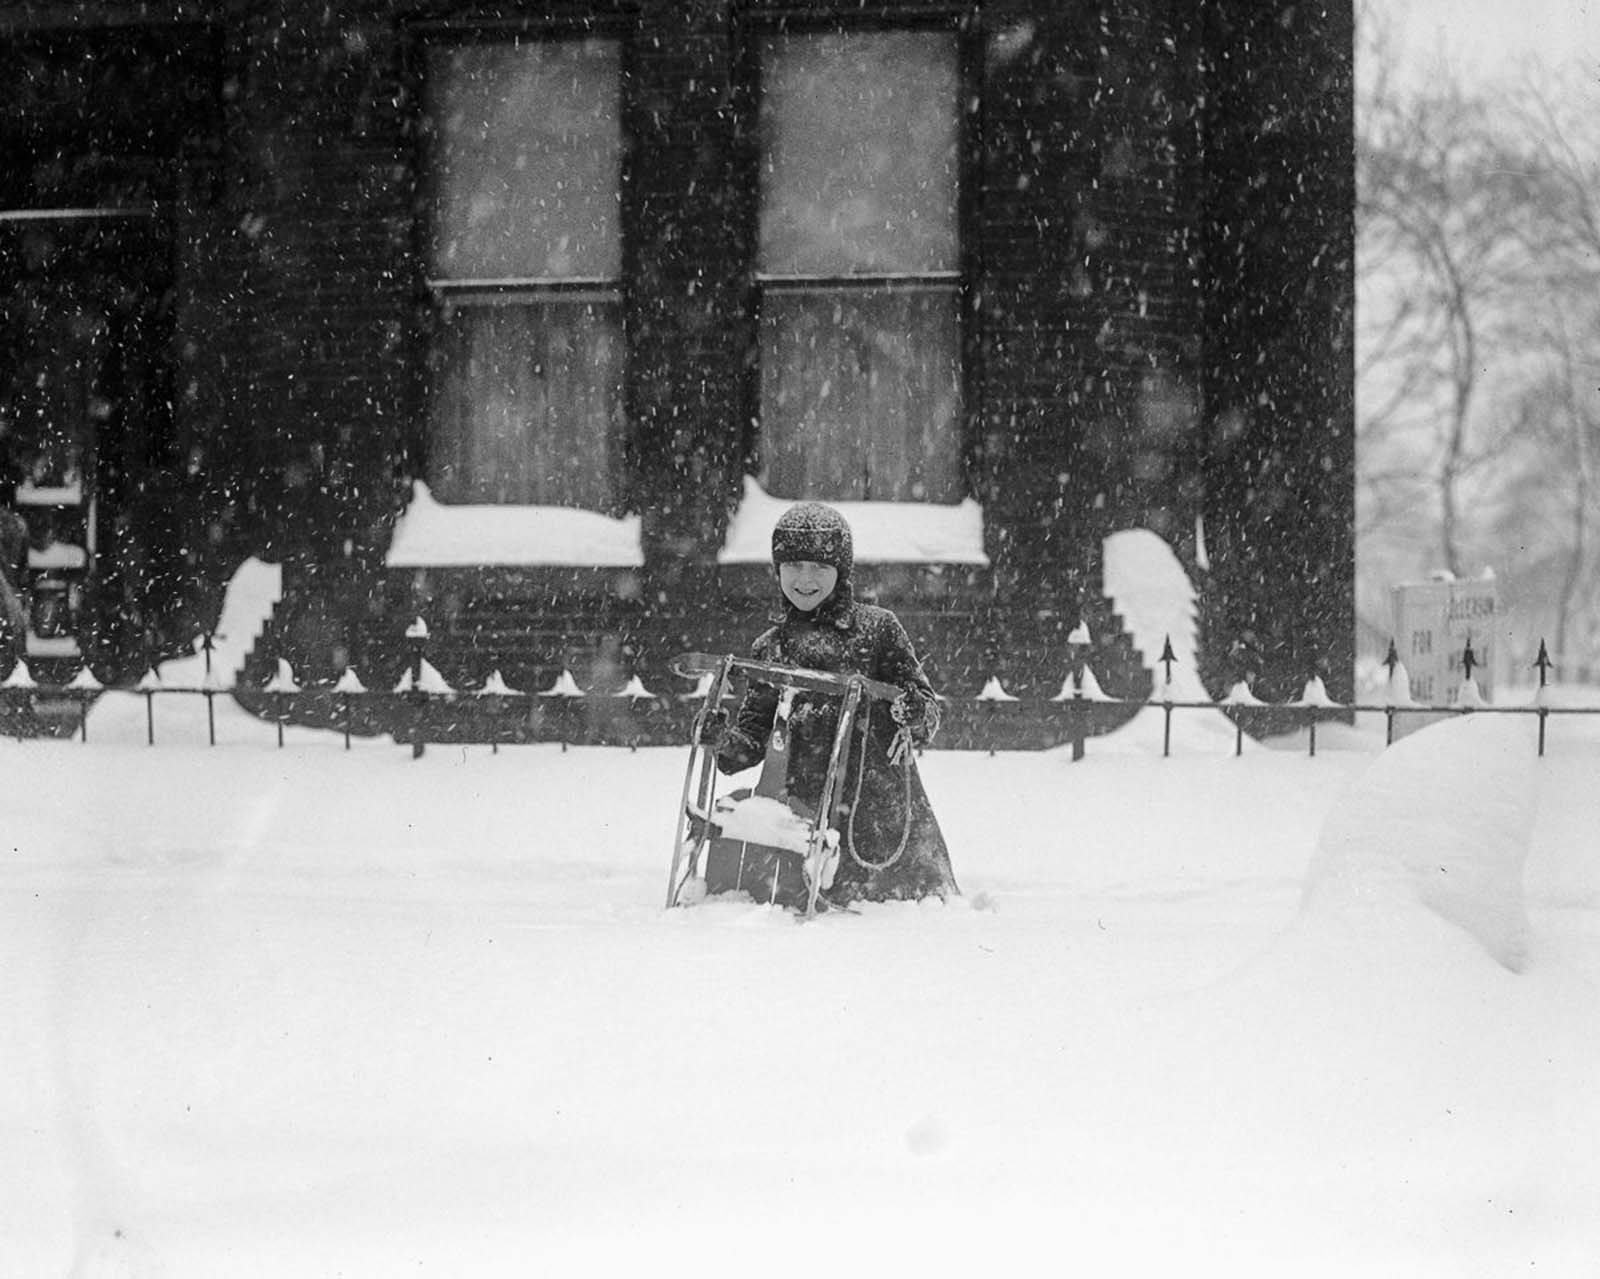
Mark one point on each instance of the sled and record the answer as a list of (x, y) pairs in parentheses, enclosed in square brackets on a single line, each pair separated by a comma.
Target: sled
[(763, 842)]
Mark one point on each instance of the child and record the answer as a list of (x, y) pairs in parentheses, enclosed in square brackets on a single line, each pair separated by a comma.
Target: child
[(891, 843)]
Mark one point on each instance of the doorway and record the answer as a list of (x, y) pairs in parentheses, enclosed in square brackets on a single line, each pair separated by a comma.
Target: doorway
[(85, 417)]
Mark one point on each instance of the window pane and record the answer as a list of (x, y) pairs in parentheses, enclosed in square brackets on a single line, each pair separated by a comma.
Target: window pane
[(860, 393), (526, 404), (860, 154), (527, 149), (527, 385)]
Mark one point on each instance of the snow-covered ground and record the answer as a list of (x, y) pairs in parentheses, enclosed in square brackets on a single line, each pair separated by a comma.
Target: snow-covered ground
[(317, 1012)]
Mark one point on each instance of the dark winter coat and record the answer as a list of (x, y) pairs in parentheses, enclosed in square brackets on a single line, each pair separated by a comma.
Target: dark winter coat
[(886, 816)]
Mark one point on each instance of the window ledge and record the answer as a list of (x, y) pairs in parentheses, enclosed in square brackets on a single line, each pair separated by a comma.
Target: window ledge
[(881, 532), (432, 534)]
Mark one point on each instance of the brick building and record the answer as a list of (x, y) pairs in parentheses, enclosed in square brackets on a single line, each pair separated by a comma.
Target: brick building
[(519, 317)]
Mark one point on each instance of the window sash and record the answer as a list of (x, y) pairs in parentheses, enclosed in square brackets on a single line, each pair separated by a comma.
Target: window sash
[(525, 261), (527, 401), (859, 267), (861, 392), (526, 159), (860, 136)]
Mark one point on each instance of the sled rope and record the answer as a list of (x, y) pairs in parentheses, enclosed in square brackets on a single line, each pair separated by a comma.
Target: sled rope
[(855, 804)]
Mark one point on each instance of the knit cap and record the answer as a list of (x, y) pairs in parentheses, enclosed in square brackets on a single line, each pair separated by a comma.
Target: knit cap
[(815, 532)]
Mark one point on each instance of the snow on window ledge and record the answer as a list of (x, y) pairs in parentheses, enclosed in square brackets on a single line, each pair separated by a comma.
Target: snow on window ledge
[(431, 534), (882, 532)]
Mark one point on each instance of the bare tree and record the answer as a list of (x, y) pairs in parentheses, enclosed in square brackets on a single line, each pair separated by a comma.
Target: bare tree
[(1549, 173), (1437, 278)]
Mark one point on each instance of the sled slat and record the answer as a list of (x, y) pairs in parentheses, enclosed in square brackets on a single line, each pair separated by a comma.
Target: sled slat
[(690, 664)]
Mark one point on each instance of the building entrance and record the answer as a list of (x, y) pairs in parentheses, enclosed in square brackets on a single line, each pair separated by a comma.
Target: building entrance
[(85, 414)]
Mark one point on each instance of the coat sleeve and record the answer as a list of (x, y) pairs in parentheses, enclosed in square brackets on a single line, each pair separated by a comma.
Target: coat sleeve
[(898, 664), (746, 743)]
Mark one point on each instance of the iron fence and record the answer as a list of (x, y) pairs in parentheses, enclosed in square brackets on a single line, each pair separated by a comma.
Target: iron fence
[(424, 708)]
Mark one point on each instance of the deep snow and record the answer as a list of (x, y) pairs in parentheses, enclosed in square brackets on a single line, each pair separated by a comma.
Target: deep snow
[(310, 1012)]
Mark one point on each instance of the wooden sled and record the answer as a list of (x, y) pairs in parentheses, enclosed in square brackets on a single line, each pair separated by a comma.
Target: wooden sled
[(763, 842)]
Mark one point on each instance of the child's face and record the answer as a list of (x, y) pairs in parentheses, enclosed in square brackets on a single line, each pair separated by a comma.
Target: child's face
[(806, 583)]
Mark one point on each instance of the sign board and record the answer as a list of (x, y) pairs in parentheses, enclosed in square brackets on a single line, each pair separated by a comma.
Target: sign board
[(1433, 624)]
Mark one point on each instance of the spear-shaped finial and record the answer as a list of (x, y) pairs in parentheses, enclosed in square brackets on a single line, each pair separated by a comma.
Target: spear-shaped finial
[(1543, 663)]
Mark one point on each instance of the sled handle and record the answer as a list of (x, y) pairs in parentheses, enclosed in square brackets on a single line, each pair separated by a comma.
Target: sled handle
[(833, 783), (837, 683)]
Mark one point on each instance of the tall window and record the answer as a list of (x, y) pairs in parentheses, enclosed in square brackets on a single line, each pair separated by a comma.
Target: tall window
[(859, 266), (524, 266)]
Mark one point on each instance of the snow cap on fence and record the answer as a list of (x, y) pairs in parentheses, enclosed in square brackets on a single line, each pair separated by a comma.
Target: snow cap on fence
[(1316, 694), (565, 686), (20, 677), (283, 680), (496, 686), (1092, 692), (431, 681), (635, 689), (993, 691), (1241, 694), (1085, 688), (1397, 692), (84, 681), (349, 682)]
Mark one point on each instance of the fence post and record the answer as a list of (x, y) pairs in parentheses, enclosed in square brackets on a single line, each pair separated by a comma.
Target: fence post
[(147, 685), (417, 641), (1167, 658), (992, 694), (86, 685), (495, 691), (348, 684), (1543, 663), (1078, 646), (208, 690), (564, 690)]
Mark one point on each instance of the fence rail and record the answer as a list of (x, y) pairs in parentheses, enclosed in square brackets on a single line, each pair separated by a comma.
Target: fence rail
[(416, 717), (423, 707)]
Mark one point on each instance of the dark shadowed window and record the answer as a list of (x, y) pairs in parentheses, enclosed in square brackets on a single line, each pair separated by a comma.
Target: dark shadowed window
[(859, 266), (524, 268)]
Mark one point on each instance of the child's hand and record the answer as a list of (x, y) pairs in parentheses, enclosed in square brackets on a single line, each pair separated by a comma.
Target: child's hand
[(711, 729), (917, 716), (904, 711)]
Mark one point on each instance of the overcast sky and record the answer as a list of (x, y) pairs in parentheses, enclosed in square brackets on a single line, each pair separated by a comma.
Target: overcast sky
[(1482, 37)]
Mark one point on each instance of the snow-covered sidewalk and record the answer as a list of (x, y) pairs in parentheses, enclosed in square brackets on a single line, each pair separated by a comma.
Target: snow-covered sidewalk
[(309, 1012)]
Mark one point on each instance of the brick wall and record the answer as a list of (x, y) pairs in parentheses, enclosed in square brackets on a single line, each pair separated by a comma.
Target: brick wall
[(1133, 357), (1278, 239)]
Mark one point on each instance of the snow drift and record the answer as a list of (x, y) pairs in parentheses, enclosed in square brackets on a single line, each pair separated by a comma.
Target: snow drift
[(1442, 820)]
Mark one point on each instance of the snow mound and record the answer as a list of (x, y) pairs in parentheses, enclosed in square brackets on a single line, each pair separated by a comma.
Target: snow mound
[(1443, 819)]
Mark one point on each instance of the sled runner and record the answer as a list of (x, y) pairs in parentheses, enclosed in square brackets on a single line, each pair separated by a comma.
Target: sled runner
[(763, 842)]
